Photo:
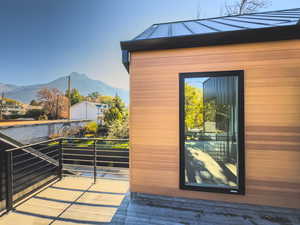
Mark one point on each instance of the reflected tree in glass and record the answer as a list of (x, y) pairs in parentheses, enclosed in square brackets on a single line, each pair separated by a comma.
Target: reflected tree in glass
[(210, 131)]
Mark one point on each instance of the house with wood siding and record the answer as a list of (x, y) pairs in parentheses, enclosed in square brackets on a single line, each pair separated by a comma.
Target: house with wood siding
[(238, 75)]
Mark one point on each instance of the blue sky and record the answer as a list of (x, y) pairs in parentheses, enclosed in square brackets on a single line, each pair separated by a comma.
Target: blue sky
[(42, 40)]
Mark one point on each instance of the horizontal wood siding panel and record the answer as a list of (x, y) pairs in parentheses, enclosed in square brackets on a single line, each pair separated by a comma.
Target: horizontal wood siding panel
[(272, 115)]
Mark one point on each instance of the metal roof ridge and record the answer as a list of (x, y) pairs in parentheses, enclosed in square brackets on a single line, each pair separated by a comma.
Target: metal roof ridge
[(210, 18)]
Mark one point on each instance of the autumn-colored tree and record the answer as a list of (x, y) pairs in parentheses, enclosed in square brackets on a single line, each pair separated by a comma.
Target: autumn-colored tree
[(91, 127), (106, 99), (193, 107), (54, 103), (9, 101)]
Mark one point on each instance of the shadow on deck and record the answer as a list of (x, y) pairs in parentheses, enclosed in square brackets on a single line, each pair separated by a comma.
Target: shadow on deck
[(73, 200)]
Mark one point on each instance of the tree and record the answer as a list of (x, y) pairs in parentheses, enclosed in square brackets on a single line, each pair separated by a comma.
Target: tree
[(112, 115), (75, 96), (9, 101), (106, 99), (94, 97), (95, 94), (119, 129), (54, 103), (239, 7), (193, 107), (91, 127), (116, 119), (34, 103), (115, 112), (35, 113)]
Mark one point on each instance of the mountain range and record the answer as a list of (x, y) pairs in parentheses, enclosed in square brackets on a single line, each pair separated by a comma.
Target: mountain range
[(82, 82)]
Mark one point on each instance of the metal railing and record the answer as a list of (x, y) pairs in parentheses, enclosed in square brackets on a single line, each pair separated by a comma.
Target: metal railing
[(27, 173), (96, 157)]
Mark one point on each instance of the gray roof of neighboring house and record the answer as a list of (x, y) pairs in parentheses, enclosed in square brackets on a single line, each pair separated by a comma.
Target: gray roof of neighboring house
[(263, 26)]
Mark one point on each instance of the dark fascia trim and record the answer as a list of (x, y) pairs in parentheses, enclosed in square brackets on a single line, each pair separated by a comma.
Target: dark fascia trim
[(241, 133), (125, 59), (217, 38)]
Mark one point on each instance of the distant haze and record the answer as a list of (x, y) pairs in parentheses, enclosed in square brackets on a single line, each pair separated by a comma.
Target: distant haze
[(82, 82)]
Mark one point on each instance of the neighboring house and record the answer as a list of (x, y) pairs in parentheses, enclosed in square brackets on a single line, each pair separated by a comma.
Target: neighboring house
[(8, 110), (27, 107), (88, 111)]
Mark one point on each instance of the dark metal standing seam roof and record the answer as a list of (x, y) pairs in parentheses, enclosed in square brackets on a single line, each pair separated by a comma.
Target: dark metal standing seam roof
[(254, 27)]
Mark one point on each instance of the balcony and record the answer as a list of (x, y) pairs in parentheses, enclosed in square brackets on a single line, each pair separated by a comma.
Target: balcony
[(64, 180)]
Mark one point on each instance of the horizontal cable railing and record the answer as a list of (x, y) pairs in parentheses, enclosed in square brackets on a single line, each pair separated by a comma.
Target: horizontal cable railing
[(27, 172), (30, 167), (96, 157)]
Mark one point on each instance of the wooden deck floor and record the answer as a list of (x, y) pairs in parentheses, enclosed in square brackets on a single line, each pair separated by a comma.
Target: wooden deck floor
[(73, 200)]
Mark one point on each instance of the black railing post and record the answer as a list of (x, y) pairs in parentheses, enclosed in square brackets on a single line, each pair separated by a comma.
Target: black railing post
[(95, 161), (9, 181), (60, 159)]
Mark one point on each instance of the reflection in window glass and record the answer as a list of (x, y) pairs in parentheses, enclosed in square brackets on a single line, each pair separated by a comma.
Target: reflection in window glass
[(211, 116)]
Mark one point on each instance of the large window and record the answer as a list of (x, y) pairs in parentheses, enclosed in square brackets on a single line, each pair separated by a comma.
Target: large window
[(212, 131)]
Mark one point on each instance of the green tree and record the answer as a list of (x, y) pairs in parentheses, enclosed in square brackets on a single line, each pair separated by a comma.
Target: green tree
[(94, 95), (34, 103), (119, 129), (193, 107), (75, 96), (116, 111), (116, 119), (35, 113)]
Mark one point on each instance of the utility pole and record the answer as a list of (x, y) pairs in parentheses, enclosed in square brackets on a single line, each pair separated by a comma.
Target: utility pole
[(1, 106), (57, 103), (69, 97)]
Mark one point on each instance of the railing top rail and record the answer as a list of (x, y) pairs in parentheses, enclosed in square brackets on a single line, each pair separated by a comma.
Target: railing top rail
[(95, 139), (30, 145), (63, 138)]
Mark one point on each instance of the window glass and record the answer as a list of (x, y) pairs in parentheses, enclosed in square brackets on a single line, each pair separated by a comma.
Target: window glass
[(211, 133)]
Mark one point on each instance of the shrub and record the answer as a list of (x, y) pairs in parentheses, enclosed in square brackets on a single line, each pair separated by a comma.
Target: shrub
[(119, 129), (91, 127)]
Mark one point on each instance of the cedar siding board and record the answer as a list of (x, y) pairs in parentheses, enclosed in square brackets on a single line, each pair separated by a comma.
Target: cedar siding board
[(272, 119)]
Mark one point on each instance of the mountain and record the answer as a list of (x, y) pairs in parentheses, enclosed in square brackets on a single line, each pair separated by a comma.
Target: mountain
[(7, 87), (82, 82)]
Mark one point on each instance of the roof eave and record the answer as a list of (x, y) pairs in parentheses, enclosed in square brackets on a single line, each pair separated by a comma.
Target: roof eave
[(220, 38)]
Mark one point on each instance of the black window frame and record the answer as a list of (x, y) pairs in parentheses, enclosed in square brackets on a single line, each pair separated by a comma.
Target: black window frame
[(241, 132)]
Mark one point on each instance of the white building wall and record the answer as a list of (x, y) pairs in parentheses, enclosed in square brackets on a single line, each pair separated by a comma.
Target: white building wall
[(84, 111)]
